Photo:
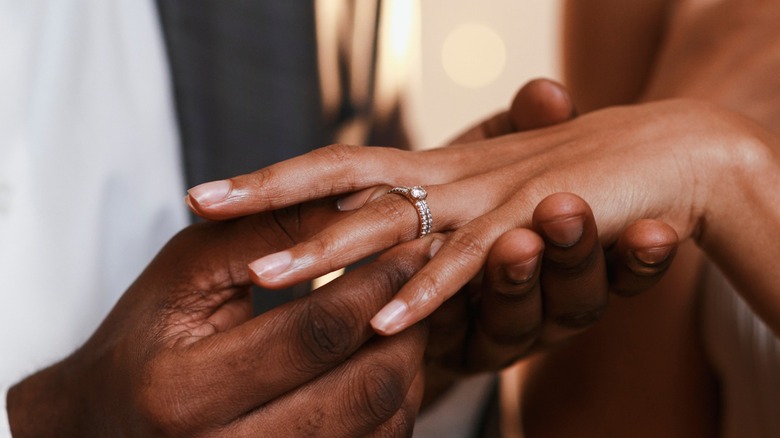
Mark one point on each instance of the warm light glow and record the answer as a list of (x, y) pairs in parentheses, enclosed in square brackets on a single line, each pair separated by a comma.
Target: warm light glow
[(328, 15), (399, 28), (400, 24), (325, 279), (473, 55)]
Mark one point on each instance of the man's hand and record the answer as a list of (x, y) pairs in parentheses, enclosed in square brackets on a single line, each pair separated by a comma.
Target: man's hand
[(542, 285), (541, 288), (180, 354)]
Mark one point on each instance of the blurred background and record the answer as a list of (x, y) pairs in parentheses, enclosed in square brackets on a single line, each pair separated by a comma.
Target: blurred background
[(449, 63), (473, 56)]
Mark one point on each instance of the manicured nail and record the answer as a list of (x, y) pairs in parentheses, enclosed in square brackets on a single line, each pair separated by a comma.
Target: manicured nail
[(355, 200), (389, 319), (211, 192), (521, 272), (564, 232), (271, 266), (435, 247), (652, 256)]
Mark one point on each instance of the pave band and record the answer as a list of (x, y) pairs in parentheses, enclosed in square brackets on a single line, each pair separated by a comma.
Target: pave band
[(416, 195)]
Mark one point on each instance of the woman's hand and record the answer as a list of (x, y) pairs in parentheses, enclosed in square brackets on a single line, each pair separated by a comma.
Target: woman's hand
[(662, 161)]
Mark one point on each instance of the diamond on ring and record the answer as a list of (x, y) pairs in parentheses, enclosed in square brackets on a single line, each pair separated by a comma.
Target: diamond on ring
[(416, 195)]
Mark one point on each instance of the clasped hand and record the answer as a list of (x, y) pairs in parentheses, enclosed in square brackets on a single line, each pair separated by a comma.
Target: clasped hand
[(666, 161)]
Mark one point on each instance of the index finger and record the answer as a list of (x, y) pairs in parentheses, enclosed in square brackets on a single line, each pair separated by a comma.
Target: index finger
[(328, 171), (339, 169)]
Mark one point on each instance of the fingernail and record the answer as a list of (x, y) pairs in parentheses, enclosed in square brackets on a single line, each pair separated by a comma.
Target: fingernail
[(210, 192), (652, 256), (389, 319), (271, 266), (436, 246), (354, 201), (521, 272), (564, 232)]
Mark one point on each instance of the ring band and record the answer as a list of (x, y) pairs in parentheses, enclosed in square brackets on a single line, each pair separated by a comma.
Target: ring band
[(416, 195)]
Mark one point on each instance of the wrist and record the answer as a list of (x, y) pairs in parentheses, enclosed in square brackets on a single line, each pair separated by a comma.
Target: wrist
[(743, 188), (45, 403)]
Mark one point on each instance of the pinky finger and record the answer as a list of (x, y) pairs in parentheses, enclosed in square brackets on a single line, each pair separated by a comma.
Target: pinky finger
[(641, 256)]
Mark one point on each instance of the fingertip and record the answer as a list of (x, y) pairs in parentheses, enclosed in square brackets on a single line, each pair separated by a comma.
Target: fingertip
[(209, 194), (266, 270), (563, 232), (559, 205), (644, 252), (540, 103), (188, 201), (650, 233), (360, 198), (517, 245), (561, 219), (521, 272), (650, 242), (652, 256), (253, 276), (436, 245), (391, 319)]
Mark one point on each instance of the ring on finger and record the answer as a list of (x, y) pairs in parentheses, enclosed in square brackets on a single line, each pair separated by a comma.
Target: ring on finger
[(416, 195)]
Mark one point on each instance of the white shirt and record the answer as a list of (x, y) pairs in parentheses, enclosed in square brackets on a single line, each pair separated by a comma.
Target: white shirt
[(90, 176)]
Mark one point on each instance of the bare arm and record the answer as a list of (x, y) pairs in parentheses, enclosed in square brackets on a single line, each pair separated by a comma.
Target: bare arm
[(609, 49)]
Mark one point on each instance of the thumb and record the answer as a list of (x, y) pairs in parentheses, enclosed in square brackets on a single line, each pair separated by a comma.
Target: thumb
[(538, 104)]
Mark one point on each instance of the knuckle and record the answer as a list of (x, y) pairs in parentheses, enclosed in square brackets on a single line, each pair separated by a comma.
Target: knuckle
[(312, 424), (339, 154), (468, 243), (394, 269), (390, 208), (262, 179), (572, 268), (386, 279), (580, 319), (522, 337), (327, 248), (513, 294), (263, 189), (512, 334), (398, 426), (381, 391), (429, 283), (279, 236), (328, 334), (160, 406)]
